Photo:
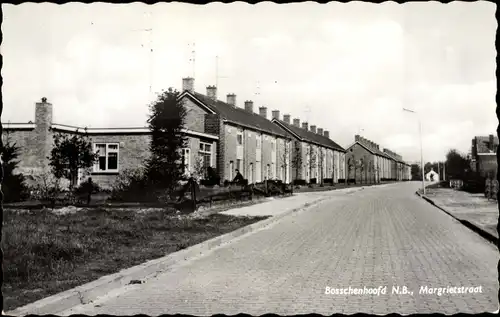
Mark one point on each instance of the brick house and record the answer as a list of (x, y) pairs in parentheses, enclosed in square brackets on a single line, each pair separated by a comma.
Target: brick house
[(377, 164), (119, 148), (248, 141), (313, 154), (483, 155)]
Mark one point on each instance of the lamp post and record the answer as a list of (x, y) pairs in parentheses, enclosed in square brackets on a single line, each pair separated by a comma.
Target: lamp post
[(421, 150)]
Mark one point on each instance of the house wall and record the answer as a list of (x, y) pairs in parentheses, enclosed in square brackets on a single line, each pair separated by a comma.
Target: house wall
[(487, 164), (357, 152), (195, 118), (25, 140)]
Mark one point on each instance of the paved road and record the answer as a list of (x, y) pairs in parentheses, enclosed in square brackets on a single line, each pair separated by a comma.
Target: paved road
[(376, 237)]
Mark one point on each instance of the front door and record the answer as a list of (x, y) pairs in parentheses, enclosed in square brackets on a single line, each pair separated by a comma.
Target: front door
[(250, 174), (258, 172)]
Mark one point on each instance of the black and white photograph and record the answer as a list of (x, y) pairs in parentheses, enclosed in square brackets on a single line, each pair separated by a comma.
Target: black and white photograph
[(267, 158)]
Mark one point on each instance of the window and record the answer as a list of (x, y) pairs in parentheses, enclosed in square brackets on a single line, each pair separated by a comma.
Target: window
[(238, 165), (186, 160), (205, 154), (239, 137), (230, 170), (107, 160), (268, 171)]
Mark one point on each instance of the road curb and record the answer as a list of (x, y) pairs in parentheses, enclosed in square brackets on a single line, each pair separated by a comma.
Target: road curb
[(89, 292), (483, 233)]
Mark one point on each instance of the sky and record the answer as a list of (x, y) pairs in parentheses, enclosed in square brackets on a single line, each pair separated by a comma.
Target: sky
[(349, 68)]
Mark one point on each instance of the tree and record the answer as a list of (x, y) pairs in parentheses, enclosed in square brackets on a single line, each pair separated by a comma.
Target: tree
[(351, 165), (296, 159), (321, 163), (165, 167), (199, 170), (70, 154), (416, 172), (13, 185), (285, 158), (457, 165), (361, 166), (312, 160)]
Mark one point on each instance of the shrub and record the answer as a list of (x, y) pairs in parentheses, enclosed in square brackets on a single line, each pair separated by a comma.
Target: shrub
[(299, 182), (132, 186), (46, 188), (312, 181), (341, 180), (13, 185), (328, 180)]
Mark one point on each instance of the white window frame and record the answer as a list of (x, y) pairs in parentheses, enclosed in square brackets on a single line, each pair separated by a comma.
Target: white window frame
[(202, 152), (108, 150), (186, 153), (239, 134)]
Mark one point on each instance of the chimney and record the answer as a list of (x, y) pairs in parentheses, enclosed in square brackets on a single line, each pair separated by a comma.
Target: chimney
[(296, 122), (231, 99), (212, 92), (249, 106), (320, 131), (326, 133), (276, 114), (43, 121), (286, 118), (263, 111), (357, 138), (492, 144), (305, 126), (313, 129), (188, 84)]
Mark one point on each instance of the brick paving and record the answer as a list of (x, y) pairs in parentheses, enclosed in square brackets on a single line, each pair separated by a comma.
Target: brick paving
[(474, 208), (374, 237)]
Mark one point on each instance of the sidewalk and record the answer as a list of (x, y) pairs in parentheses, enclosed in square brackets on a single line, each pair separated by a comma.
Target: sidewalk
[(473, 209)]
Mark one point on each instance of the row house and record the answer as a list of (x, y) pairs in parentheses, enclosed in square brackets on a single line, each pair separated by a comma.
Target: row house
[(483, 155), (247, 141), (366, 162), (118, 149), (314, 154)]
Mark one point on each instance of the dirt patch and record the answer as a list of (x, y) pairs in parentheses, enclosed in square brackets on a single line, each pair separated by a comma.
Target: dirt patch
[(46, 252)]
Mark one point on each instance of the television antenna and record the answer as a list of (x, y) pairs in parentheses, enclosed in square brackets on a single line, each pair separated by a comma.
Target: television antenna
[(192, 60), (217, 76)]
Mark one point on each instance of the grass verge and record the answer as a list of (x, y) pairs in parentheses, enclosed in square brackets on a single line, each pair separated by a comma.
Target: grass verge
[(46, 253)]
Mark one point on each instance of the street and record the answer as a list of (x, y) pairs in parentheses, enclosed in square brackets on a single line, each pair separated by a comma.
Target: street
[(377, 237)]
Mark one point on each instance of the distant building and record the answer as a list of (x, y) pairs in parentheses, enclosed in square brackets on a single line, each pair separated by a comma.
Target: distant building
[(432, 176), (483, 155), (314, 154), (367, 163)]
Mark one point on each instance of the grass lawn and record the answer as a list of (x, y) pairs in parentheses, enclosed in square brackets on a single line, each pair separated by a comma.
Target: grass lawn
[(46, 253)]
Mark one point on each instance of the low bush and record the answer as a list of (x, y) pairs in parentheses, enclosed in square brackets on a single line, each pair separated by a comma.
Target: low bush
[(132, 186), (313, 181), (341, 180), (328, 180), (299, 182)]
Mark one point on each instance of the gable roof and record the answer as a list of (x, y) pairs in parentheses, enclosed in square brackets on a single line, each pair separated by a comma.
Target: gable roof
[(363, 146), (308, 136), (378, 152), (235, 115), (482, 143)]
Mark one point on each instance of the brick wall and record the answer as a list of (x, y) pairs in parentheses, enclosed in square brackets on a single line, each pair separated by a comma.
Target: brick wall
[(195, 119), (213, 124), (355, 153), (25, 140), (250, 155), (487, 164)]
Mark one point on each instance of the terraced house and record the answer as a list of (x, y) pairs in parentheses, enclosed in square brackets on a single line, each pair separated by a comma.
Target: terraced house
[(119, 149), (314, 156), (247, 141), (367, 163), (483, 155)]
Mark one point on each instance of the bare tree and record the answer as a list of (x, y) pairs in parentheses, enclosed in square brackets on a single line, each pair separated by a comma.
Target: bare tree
[(296, 159), (312, 160), (321, 162), (285, 158)]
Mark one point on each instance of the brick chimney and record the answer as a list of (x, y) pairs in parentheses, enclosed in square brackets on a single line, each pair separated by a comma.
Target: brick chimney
[(231, 99), (263, 111), (296, 122), (326, 133), (43, 134), (313, 129), (491, 143), (276, 114), (357, 138), (286, 118), (305, 126), (188, 84), (212, 92), (320, 131), (249, 106)]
